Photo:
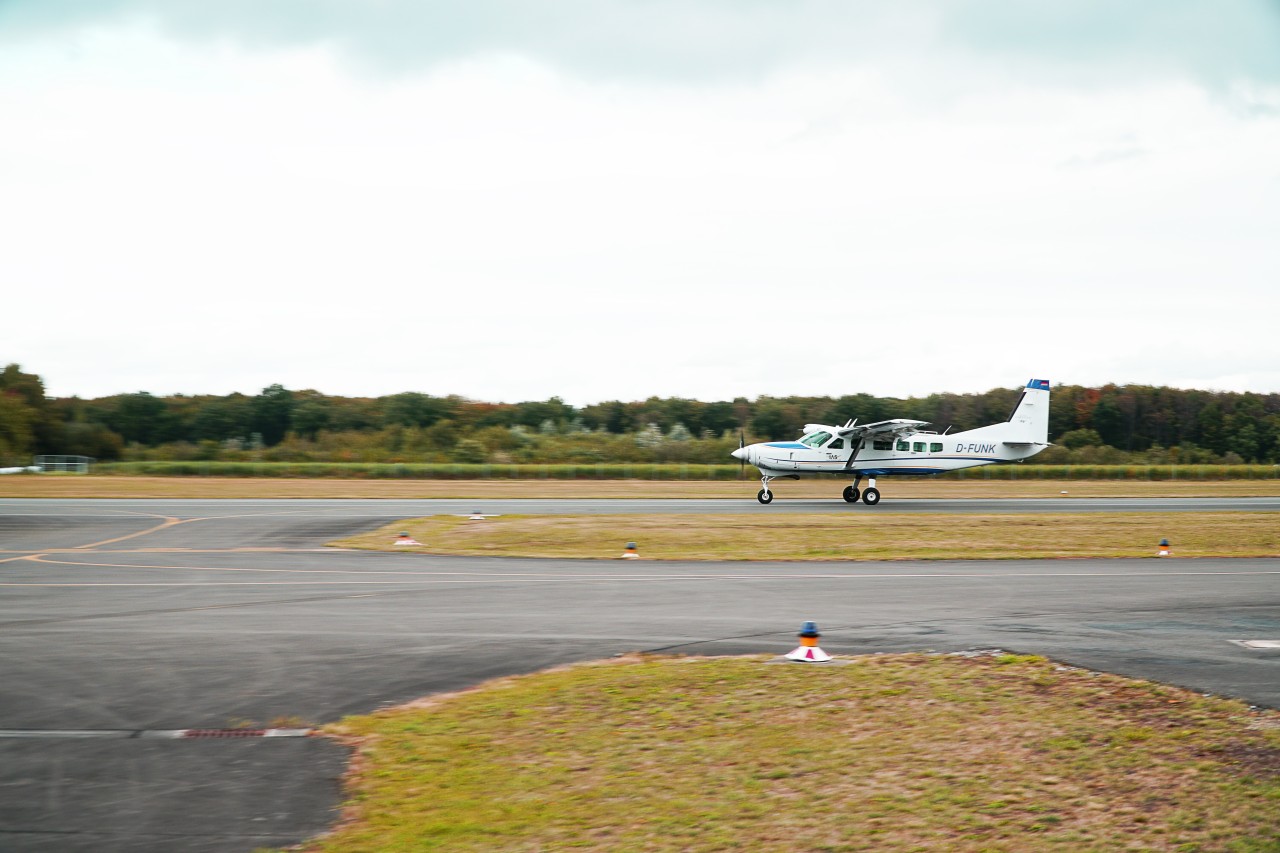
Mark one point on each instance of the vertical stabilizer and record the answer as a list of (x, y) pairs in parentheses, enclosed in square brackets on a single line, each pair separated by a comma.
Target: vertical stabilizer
[(1029, 422)]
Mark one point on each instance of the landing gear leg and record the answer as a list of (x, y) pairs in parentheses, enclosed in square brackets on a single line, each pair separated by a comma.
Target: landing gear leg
[(851, 493), (764, 495), (871, 496)]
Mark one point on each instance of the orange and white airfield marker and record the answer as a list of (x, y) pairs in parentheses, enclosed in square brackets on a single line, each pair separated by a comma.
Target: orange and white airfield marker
[(808, 651)]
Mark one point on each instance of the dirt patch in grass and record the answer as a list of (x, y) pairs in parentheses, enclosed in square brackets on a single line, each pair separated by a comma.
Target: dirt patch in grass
[(861, 536), (90, 486), (893, 752)]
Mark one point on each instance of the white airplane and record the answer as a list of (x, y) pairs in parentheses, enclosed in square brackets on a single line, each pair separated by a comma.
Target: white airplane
[(901, 447)]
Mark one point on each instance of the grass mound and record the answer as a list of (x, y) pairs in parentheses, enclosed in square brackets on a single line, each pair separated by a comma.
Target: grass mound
[(894, 752)]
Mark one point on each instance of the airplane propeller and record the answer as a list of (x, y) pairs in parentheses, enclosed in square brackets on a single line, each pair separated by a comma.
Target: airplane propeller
[(742, 462)]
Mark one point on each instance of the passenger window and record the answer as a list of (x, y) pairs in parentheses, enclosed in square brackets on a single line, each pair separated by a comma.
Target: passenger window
[(902, 445), (918, 447), (838, 444), (883, 444), (936, 447)]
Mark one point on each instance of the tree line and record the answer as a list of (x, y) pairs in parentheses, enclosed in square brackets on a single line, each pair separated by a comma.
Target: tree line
[(1109, 424)]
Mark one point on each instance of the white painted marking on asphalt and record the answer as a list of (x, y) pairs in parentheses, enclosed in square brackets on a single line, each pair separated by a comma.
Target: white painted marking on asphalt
[(1258, 644)]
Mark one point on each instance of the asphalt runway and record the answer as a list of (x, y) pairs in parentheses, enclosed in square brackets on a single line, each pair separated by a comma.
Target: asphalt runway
[(384, 509), (121, 619)]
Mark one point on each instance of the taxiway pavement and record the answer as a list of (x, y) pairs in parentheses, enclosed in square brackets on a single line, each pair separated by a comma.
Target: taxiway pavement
[(133, 616)]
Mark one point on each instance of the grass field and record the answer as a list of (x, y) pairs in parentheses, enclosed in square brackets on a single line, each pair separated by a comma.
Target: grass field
[(853, 536), (892, 752), (72, 486), (863, 533)]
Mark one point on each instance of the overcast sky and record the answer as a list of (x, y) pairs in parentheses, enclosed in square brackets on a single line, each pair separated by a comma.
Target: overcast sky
[(510, 200)]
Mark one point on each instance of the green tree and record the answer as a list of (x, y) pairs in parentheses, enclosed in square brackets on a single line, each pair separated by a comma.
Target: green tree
[(864, 407), (470, 451), (533, 414), (414, 409), (1109, 421), (1078, 438), (272, 414), (17, 429), (1212, 428), (221, 418), (28, 390), (139, 418), (772, 420), (613, 416), (86, 439), (719, 418), (354, 414), (1243, 441), (310, 413)]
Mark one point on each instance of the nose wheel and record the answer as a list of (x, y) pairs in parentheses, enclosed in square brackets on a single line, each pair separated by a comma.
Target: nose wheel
[(764, 495)]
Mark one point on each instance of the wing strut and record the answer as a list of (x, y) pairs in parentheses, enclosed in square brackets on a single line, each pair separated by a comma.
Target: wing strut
[(857, 448)]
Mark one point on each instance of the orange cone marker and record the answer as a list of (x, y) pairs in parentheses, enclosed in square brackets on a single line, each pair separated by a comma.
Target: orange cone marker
[(808, 650), (1166, 550), (630, 553), (406, 539)]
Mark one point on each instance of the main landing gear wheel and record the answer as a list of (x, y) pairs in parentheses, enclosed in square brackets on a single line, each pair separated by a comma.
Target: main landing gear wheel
[(765, 497), (871, 496), (851, 494)]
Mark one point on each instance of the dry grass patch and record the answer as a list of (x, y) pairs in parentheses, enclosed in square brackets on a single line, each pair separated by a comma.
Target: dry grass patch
[(900, 752), (855, 536)]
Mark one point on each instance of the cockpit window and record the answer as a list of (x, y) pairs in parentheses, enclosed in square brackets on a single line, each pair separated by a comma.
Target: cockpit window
[(816, 439)]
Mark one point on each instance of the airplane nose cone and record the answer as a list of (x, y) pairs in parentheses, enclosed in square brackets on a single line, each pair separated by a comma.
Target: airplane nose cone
[(740, 453)]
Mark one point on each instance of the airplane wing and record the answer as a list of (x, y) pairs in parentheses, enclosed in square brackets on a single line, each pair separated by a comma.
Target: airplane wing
[(893, 427)]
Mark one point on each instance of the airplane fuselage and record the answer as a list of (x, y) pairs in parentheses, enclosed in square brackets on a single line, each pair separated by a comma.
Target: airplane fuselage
[(915, 453)]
